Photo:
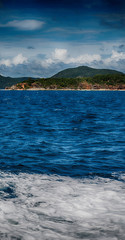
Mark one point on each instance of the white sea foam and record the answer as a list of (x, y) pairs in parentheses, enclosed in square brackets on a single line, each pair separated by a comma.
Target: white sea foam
[(35, 207)]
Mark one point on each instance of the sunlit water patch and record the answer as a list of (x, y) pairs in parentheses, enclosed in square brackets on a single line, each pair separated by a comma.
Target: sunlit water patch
[(36, 206)]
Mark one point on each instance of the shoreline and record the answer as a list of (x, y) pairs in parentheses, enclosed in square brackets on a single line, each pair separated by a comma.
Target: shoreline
[(42, 89)]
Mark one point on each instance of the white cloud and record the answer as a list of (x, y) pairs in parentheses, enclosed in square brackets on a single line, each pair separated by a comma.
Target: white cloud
[(5, 62), (76, 30), (24, 24), (115, 57), (19, 59), (47, 62), (84, 59), (58, 60), (61, 55)]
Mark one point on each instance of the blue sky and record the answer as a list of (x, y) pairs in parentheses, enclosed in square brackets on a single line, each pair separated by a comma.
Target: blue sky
[(39, 38)]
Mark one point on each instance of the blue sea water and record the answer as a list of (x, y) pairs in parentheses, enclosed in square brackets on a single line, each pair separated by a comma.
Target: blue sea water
[(62, 165)]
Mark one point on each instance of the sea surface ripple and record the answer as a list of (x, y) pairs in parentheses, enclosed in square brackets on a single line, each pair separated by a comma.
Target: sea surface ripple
[(62, 165)]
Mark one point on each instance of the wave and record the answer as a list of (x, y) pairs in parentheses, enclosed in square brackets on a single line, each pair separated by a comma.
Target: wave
[(48, 207)]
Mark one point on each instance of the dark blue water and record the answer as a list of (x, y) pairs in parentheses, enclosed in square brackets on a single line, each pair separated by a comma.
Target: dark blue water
[(62, 132), (62, 165)]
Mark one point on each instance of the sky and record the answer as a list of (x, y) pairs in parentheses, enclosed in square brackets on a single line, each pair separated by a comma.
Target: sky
[(39, 38)]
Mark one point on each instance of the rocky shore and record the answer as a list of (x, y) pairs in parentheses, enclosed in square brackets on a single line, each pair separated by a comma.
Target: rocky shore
[(82, 86)]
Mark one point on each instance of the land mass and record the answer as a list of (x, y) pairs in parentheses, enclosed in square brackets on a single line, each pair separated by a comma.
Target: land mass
[(83, 71), (81, 78), (9, 81), (107, 82)]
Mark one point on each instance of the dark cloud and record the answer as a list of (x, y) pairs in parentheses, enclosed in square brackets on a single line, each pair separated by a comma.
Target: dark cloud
[(120, 48), (30, 47)]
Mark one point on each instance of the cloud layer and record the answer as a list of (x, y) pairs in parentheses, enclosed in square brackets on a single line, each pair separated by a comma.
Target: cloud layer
[(24, 25), (59, 59), (61, 55), (19, 59)]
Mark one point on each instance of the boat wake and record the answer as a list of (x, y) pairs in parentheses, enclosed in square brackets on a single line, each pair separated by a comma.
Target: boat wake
[(49, 207)]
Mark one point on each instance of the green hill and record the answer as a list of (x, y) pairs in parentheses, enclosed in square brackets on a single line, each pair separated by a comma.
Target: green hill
[(83, 71), (8, 81), (73, 78), (108, 82)]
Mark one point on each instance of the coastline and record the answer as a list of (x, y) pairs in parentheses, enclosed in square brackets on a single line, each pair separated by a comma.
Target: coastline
[(43, 89)]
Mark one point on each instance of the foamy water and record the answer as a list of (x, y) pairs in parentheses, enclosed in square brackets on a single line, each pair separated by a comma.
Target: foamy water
[(34, 206)]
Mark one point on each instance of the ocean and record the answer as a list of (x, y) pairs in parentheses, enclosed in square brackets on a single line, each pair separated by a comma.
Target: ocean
[(62, 165)]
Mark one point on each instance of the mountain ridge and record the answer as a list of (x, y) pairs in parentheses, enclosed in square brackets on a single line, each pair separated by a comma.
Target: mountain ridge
[(78, 72), (83, 71)]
